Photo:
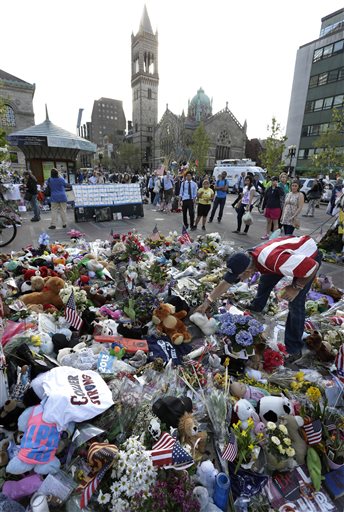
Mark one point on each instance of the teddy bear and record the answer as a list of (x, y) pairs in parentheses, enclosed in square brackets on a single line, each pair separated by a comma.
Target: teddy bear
[(169, 322), (207, 325), (38, 445), (206, 475), (321, 348), (206, 503), (49, 295)]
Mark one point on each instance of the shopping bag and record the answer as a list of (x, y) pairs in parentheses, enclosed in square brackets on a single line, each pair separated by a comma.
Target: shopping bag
[(247, 219)]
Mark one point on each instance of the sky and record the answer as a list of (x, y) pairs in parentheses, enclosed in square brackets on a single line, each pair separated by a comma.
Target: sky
[(243, 52)]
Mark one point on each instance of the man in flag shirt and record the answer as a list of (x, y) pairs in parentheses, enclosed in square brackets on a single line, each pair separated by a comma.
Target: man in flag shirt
[(295, 257)]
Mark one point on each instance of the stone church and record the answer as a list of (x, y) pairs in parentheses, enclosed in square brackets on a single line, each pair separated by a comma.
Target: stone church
[(171, 138)]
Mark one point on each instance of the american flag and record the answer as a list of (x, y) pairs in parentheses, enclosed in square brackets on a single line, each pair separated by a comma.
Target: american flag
[(340, 363), (185, 237), (313, 432), (168, 453), (71, 314), (100, 456), (92, 486), (155, 234), (231, 450)]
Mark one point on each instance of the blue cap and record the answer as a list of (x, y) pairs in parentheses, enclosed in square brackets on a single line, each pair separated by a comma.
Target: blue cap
[(236, 264)]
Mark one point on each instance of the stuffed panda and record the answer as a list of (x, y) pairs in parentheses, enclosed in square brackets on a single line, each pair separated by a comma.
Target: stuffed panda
[(270, 408)]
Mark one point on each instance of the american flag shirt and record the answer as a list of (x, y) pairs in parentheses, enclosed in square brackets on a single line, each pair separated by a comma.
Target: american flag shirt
[(292, 256)]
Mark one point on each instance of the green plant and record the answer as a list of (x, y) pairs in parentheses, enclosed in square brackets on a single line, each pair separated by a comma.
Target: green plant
[(130, 310), (271, 156)]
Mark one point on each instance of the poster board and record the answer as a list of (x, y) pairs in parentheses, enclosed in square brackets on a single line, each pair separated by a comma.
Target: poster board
[(111, 194)]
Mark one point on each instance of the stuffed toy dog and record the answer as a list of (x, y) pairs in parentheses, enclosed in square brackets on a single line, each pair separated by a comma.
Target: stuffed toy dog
[(49, 295), (169, 322)]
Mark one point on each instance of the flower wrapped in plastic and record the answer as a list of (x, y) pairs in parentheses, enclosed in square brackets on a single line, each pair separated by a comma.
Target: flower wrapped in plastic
[(240, 332)]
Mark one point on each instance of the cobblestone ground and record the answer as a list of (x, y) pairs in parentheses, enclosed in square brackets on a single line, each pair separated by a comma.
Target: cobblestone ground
[(29, 232)]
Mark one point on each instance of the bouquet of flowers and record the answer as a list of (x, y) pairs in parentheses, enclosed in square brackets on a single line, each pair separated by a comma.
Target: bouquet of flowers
[(274, 358), (133, 474), (240, 332), (278, 446), (247, 443)]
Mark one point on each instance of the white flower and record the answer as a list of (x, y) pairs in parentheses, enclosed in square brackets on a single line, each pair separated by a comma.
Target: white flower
[(287, 441), (103, 498), (275, 440), (283, 429), (290, 452), (281, 450), (270, 425)]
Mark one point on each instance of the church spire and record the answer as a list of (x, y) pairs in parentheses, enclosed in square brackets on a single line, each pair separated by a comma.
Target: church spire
[(145, 24)]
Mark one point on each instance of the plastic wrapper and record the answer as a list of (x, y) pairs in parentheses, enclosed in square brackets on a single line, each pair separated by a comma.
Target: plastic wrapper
[(60, 485)]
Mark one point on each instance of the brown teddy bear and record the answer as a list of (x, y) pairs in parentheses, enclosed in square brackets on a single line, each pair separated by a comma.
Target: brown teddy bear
[(322, 350), (49, 294), (188, 434), (169, 322)]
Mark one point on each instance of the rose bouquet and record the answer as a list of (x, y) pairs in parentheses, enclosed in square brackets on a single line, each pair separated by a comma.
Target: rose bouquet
[(240, 332)]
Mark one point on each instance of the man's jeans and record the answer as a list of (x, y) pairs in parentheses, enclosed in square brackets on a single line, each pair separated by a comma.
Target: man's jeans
[(218, 201), (295, 324), (35, 207)]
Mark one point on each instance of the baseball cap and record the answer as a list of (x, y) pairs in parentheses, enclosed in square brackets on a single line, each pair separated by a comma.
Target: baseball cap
[(236, 264)]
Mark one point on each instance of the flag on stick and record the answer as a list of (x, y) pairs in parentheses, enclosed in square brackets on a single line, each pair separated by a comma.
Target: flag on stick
[(155, 234), (313, 432), (185, 237), (231, 450), (71, 314)]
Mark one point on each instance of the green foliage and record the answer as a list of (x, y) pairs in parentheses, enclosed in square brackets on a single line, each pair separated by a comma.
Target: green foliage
[(128, 155), (271, 156), (330, 157), (200, 147), (157, 273), (130, 311)]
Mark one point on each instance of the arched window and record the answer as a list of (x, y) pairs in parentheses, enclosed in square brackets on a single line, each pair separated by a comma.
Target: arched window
[(8, 117)]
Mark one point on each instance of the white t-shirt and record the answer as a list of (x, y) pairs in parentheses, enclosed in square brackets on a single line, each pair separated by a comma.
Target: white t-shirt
[(69, 394), (246, 194)]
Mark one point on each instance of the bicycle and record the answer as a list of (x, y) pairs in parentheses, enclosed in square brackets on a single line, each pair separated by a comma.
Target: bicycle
[(8, 230)]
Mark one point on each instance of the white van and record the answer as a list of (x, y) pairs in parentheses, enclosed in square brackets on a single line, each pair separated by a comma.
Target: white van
[(234, 171)]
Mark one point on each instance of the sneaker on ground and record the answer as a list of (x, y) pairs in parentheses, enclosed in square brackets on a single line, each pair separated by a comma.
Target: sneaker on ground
[(292, 360)]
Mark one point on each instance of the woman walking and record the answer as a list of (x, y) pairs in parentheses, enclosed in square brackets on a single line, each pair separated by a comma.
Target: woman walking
[(58, 198), (205, 196), (245, 204), (272, 206), (293, 205), (313, 196), (31, 194)]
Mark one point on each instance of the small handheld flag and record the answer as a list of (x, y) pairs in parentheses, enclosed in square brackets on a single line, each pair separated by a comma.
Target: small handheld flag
[(71, 314), (185, 237), (231, 450)]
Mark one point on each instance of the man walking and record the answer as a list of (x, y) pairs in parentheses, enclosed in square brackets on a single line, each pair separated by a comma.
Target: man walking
[(239, 187), (188, 194), (221, 188), (296, 257), (167, 185)]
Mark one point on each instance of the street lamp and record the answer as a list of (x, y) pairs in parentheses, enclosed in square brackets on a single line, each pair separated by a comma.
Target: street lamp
[(291, 154)]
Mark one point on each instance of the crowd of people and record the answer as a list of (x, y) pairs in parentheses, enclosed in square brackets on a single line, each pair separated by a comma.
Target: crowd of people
[(279, 198)]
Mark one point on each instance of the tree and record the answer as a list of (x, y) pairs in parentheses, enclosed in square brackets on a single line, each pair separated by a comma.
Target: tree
[(200, 147), (4, 153), (330, 156), (271, 156), (128, 155)]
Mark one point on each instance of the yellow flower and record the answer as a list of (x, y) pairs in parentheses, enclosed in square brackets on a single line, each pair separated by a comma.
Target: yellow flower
[(275, 440), (300, 376), (287, 441), (251, 447), (283, 429), (270, 425), (260, 435), (244, 433), (290, 452), (250, 422), (313, 394), (226, 362)]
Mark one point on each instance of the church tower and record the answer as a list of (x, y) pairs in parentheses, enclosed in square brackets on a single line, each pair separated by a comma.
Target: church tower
[(144, 84)]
